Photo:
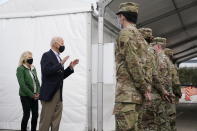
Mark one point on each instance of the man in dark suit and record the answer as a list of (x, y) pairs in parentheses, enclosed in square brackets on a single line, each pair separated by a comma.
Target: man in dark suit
[(53, 74)]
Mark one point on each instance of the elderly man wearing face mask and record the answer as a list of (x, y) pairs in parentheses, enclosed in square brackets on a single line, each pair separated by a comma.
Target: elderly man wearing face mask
[(53, 74)]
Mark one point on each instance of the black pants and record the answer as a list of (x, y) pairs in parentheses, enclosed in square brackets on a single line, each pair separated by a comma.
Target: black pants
[(28, 105)]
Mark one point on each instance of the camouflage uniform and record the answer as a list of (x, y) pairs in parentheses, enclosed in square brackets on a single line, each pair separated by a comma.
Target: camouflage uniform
[(165, 76), (152, 113), (131, 83), (174, 74), (175, 87)]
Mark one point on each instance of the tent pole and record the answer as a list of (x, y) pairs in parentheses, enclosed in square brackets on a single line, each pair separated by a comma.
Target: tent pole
[(89, 82), (101, 8), (100, 76)]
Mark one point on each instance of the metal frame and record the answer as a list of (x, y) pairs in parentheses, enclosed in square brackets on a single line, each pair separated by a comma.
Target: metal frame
[(183, 28), (179, 15), (185, 50), (191, 61), (111, 27), (183, 42), (101, 9), (179, 30), (167, 14), (186, 55), (186, 59)]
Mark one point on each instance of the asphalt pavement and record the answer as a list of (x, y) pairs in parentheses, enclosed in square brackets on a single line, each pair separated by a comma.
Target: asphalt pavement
[(187, 117)]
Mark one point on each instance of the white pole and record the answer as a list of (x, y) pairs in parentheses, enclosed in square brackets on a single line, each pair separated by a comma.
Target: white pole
[(89, 72), (100, 76), (101, 8)]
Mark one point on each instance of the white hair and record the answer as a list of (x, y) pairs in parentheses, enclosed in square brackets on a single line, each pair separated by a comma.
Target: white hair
[(24, 57), (55, 39)]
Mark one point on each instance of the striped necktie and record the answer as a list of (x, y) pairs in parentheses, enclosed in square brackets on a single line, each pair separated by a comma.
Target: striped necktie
[(59, 58)]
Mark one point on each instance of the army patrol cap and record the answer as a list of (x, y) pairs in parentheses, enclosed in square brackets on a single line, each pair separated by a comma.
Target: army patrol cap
[(146, 32), (168, 52), (159, 40), (128, 7)]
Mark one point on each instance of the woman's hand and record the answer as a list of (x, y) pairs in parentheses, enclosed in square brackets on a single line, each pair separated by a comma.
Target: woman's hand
[(36, 96)]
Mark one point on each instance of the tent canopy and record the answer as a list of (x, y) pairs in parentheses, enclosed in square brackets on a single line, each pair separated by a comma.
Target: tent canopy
[(174, 19), (24, 8)]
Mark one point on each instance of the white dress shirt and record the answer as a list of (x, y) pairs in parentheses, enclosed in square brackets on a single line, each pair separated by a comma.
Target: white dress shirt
[(57, 55), (32, 75)]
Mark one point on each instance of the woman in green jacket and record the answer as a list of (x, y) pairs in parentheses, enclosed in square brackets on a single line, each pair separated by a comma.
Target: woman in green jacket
[(29, 90)]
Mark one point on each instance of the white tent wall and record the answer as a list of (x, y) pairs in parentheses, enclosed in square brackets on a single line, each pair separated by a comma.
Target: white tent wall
[(20, 34), (108, 77), (26, 8)]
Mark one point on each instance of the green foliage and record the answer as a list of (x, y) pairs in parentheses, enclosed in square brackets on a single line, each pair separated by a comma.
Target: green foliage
[(188, 76)]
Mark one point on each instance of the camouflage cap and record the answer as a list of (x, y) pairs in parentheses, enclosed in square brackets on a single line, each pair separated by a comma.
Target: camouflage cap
[(146, 32), (160, 41), (128, 7), (168, 51)]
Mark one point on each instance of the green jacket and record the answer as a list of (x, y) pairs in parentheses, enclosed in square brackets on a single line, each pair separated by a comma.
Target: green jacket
[(26, 82)]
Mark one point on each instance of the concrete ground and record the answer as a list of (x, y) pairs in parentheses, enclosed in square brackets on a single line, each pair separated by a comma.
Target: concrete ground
[(186, 117)]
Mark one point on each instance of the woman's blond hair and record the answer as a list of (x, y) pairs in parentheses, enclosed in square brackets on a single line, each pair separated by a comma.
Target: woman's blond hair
[(24, 57)]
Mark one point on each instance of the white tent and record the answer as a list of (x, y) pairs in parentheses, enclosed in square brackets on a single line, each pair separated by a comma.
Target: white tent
[(30, 25)]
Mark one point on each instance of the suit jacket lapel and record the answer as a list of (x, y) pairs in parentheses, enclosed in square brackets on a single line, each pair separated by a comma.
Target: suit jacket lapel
[(53, 56)]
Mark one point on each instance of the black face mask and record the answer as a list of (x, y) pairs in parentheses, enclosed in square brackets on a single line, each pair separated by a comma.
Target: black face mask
[(30, 61), (61, 49)]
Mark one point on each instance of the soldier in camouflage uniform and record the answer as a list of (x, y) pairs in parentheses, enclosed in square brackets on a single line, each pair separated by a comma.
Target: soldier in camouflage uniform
[(174, 74), (131, 88), (175, 87), (152, 113), (165, 76)]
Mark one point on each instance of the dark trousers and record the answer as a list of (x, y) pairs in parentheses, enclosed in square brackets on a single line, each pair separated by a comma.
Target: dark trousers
[(28, 105)]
